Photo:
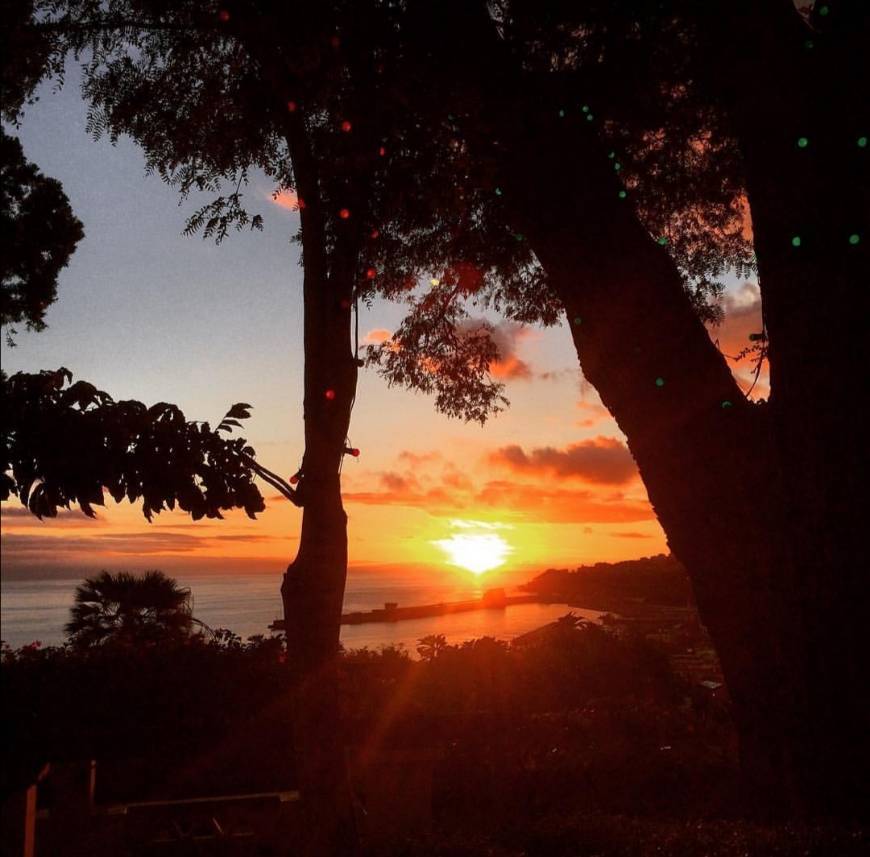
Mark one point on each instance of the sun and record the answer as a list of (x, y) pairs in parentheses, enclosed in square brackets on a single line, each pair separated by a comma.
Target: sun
[(476, 553)]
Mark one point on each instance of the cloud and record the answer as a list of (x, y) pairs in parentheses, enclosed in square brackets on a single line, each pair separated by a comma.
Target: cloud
[(600, 460), (531, 502), (286, 199), (594, 413), (19, 516), (745, 300), (742, 309), (376, 336), (130, 543), (416, 459), (505, 335)]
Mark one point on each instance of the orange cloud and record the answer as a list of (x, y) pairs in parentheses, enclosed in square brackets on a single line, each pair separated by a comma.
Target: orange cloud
[(376, 336), (742, 311), (286, 199), (599, 460)]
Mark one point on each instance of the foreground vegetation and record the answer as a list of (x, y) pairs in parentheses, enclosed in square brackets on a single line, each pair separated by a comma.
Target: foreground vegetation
[(576, 741)]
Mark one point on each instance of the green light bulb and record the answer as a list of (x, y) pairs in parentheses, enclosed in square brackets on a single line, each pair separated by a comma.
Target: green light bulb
[(854, 238), (796, 241), (803, 142), (660, 382), (862, 142), (622, 194)]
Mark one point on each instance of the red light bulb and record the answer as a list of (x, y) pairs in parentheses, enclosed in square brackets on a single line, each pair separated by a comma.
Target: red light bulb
[(344, 213), (330, 394), (371, 273), (346, 126), (294, 479), (223, 16), (291, 106), (375, 233), (382, 151), (344, 303), (354, 452)]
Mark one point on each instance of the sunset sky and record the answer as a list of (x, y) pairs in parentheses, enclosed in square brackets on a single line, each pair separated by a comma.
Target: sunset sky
[(146, 313)]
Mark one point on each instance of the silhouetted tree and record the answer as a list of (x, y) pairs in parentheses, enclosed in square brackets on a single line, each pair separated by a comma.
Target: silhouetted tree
[(38, 233), (431, 646), (130, 609), (69, 443), (596, 109)]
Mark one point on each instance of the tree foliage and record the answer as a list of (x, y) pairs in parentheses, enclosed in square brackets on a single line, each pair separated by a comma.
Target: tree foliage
[(38, 233), (66, 442), (130, 609)]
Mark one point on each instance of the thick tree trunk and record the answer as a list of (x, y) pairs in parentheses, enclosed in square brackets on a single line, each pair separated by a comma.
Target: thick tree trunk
[(792, 93), (773, 561)]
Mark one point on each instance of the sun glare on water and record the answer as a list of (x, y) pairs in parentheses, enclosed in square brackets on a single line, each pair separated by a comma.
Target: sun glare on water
[(477, 553)]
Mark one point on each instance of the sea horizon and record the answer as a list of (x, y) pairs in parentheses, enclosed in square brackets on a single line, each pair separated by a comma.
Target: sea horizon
[(35, 607)]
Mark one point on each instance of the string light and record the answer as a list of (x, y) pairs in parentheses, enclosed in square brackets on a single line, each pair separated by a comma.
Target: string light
[(823, 11), (796, 241), (351, 450), (561, 114), (617, 166), (802, 142), (329, 394), (344, 213), (498, 191), (374, 233), (294, 479), (435, 281), (382, 151), (726, 404), (335, 41), (854, 238), (622, 194), (585, 108), (346, 126), (660, 382), (223, 16), (344, 303), (291, 106), (577, 319), (663, 240), (371, 273), (862, 142), (611, 155), (589, 117)]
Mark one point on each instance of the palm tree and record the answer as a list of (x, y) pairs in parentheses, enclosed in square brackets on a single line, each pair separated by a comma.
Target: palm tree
[(130, 608)]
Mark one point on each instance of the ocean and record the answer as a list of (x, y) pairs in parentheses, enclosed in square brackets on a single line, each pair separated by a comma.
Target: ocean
[(37, 608)]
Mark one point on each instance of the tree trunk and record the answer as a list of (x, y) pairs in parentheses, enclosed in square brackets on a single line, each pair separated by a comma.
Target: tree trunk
[(792, 93), (313, 588), (772, 560)]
